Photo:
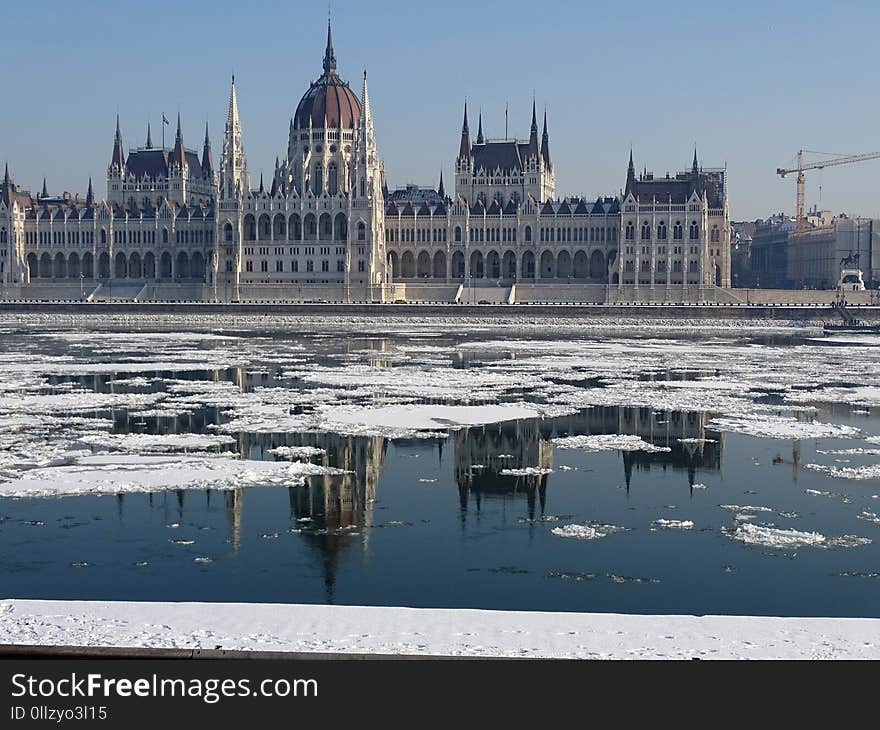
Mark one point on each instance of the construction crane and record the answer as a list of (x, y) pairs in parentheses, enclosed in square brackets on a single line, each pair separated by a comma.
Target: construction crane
[(802, 166)]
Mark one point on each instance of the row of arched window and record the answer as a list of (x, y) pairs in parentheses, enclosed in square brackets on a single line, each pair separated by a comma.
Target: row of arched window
[(310, 227)]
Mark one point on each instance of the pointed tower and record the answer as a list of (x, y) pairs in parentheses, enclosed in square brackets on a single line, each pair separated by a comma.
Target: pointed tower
[(117, 158), (178, 154), (90, 195), (329, 56), (464, 148), (533, 132), (630, 174), (695, 167), (262, 189), (440, 191), (207, 160), (480, 139), (149, 138), (45, 192), (545, 144), (233, 166)]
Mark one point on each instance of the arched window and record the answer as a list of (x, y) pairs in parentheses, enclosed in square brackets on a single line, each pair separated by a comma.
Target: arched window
[(528, 233), (694, 231), (332, 184), (458, 234), (646, 231), (677, 231), (227, 233), (104, 236), (661, 231), (630, 231), (715, 235), (318, 181), (362, 231)]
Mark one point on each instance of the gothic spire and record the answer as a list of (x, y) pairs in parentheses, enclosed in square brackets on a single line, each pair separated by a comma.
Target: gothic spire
[(207, 161), (440, 191), (233, 165), (631, 168), (329, 57), (178, 154), (262, 189), (480, 139), (6, 174), (90, 196), (533, 134), (149, 138), (118, 157), (545, 143), (45, 193), (695, 167), (464, 149)]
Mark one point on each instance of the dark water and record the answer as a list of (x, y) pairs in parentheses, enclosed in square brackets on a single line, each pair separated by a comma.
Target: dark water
[(433, 522)]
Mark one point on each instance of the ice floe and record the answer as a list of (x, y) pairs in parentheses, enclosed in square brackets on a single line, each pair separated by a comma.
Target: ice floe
[(607, 442), (777, 537), (146, 442), (122, 473), (782, 427), (871, 471), (673, 524), (592, 531)]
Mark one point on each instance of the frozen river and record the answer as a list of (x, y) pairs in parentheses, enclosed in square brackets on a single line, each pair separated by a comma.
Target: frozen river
[(442, 465)]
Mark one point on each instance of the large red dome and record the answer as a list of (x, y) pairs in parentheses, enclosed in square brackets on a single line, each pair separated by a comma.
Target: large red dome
[(329, 102)]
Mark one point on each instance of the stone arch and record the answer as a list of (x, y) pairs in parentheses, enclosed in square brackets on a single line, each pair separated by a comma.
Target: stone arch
[(279, 226), (340, 227), (310, 227), (528, 234), (135, 266), (598, 266), (407, 265), (458, 265), (250, 229), (149, 265), (227, 232), (264, 228), (294, 228), (493, 265), (508, 265), (563, 265), (548, 265), (165, 268), (423, 265), (581, 264), (477, 265), (197, 266), (73, 266), (325, 228), (33, 266), (528, 265), (59, 267), (182, 265), (120, 267), (104, 265), (87, 265), (394, 264), (439, 265)]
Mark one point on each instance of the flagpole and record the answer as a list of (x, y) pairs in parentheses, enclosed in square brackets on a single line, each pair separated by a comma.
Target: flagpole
[(163, 131)]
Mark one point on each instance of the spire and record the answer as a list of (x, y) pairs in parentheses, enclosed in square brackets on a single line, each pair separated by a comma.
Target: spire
[(480, 139), (262, 189), (274, 189), (149, 138), (695, 168), (464, 149), (631, 168), (533, 134), (178, 139), (366, 111), (118, 157), (329, 57), (207, 161), (233, 166), (440, 191), (45, 193), (6, 179), (90, 196), (6, 195), (545, 143)]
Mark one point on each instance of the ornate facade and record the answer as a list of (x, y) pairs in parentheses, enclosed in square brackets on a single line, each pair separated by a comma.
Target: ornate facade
[(326, 225)]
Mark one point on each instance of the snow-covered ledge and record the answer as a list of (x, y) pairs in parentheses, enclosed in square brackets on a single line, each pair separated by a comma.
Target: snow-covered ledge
[(449, 632)]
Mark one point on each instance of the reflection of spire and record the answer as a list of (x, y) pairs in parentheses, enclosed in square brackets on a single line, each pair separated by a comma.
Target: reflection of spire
[(234, 504)]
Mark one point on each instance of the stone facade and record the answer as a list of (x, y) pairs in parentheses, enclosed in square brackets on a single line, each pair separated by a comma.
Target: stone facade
[(327, 226)]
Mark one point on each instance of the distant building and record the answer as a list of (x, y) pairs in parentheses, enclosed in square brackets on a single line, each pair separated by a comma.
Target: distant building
[(781, 259)]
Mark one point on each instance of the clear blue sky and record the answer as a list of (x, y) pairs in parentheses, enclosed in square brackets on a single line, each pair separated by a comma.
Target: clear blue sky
[(748, 82)]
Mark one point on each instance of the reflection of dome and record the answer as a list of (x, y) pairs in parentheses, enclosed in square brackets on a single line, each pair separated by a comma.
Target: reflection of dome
[(329, 102)]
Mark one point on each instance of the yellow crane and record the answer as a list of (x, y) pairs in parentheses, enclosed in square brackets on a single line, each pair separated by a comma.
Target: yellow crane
[(803, 165)]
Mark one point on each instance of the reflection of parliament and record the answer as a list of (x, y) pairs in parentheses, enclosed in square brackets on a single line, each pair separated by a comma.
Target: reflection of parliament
[(326, 226)]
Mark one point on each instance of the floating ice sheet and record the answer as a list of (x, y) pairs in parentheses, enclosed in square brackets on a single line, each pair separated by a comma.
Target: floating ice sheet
[(607, 442)]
